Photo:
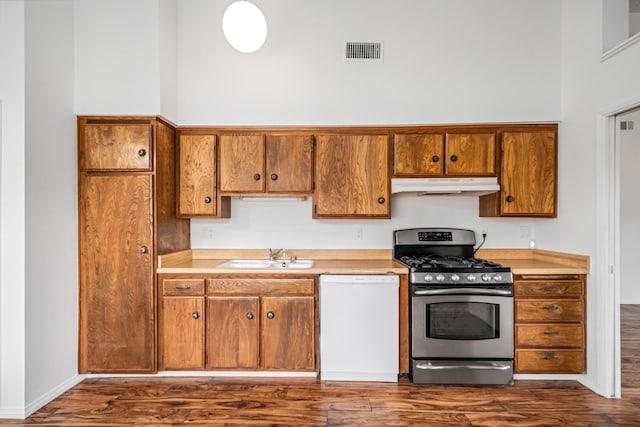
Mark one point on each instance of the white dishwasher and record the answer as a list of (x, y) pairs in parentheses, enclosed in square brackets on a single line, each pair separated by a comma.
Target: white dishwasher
[(359, 327)]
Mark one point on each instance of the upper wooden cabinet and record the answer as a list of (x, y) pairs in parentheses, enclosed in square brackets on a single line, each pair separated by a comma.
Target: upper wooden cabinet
[(352, 176), (273, 163), (197, 189), (444, 153), (528, 175), (116, 146)]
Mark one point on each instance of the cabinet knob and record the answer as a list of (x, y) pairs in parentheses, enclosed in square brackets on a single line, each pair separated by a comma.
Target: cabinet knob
[(207, 200), (144, 249), (274, 176), (256, 177), (249, 315), (195, 315), (454, 158), (142, 152), (271, 315), (509, 199), (435, 159), (381, 200)]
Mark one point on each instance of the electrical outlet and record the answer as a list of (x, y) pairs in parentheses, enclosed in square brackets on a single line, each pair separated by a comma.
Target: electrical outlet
[(358, 233), (525, 232), (485, 230), (210, 234)]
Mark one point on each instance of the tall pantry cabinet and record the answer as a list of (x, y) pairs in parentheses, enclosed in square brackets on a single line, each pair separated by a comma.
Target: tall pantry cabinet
[(126, 204)]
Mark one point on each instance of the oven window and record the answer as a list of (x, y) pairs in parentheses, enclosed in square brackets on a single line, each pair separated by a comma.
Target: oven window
[(463, 321)]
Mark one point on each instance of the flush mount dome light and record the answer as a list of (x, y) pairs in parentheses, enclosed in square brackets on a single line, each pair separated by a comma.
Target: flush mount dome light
[(244, 26)]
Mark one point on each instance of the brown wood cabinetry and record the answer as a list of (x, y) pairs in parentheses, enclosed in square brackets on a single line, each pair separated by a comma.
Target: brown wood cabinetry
[(197, 189), (126, 203), (550, 324), (444, 153), (274, 163), (352, 176), (528, 175), (256, 323)]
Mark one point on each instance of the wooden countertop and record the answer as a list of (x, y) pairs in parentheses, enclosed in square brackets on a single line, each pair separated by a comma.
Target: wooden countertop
[(199, 261), (363, 261), (537, 261)]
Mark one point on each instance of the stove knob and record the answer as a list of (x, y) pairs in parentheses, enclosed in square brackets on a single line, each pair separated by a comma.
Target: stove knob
[(440, 278), (497, 278), (486, 277), (471, 278), (428, 278), (455, 278)]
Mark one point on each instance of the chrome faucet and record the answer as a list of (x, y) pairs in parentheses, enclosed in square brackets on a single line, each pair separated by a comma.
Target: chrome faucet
[(273, 256)]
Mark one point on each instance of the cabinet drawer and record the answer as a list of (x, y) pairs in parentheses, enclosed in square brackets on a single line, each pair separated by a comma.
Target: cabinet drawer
[(554, 289), (183, 287), (550, 336), (553, 361), (549, 311), (270, 287), (117, 146)]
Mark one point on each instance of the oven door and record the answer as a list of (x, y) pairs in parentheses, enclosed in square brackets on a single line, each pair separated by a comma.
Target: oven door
[(462, 326)]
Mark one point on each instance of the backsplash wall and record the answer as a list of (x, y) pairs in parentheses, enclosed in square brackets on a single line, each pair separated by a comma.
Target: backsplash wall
[(274, 223)]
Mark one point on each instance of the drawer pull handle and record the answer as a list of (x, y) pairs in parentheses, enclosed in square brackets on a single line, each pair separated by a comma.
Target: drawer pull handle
[(551, 308), (550, 289), (182, 288), (551, 358), (551, 332)]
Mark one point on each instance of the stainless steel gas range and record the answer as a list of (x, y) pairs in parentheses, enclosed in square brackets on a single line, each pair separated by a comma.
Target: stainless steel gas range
[(461, 309)]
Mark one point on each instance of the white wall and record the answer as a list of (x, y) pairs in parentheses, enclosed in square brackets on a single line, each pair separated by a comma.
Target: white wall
[(168, 56), (616, 23), (12, 210), (51, 225), (629, 146), (589, 87), (117, 69), (444, 62)]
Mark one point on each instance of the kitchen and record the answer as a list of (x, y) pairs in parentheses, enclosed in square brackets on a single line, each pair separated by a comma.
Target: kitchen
[(506, 85)]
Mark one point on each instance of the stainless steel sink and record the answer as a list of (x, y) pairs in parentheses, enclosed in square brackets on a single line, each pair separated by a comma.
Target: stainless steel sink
[(266, 264)]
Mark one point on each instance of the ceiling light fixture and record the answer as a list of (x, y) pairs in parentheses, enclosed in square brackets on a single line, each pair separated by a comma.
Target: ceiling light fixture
[(244, 26)]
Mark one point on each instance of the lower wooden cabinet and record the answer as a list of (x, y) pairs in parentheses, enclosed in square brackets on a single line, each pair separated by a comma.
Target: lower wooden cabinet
[(550, 324), (238, 323)]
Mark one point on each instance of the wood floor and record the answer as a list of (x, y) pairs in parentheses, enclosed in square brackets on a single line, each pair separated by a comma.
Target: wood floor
[(305, 402)]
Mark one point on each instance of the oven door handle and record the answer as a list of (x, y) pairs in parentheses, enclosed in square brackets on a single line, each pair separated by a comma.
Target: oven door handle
[(492, 367), (463, 291)]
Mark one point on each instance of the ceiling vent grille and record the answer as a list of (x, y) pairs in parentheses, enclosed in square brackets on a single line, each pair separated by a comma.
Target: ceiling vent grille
[(364, 50)]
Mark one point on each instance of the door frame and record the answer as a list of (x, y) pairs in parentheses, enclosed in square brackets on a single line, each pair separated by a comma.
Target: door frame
[(608, 251)]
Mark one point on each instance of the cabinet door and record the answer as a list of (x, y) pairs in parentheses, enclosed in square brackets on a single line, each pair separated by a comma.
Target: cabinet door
[(241, 164), (287, 333), (197, 175), (233, 332), (471, 154), (418, 155), (289, 164), (116, 147), (117, 329), (352, 176), (181, 333), (528, 174)]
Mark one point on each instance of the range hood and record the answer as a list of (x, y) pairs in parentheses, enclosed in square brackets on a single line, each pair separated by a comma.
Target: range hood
[(445, 186)]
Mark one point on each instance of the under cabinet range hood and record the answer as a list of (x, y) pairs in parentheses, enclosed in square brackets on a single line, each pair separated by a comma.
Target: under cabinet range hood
[(446, 186)]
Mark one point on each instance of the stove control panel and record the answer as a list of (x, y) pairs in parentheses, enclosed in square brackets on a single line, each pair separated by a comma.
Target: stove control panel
[(476, 279)]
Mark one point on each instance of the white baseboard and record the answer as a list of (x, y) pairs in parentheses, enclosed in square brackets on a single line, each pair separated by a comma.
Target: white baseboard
[(21, 413), (263, 374)]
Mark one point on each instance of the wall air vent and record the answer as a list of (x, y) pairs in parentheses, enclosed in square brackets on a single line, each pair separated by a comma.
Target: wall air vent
[(364, 50)]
